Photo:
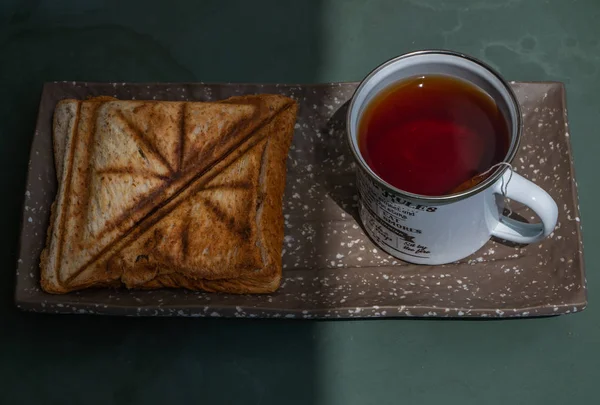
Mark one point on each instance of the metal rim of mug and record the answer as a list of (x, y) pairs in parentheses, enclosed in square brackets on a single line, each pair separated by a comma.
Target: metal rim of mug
[(510, 155)]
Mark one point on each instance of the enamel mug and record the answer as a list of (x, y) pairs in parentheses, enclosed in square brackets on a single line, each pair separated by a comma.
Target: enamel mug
[(436, 230)]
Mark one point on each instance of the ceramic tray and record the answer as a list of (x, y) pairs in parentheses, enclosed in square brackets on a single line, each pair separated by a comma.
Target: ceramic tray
[(331, 269)]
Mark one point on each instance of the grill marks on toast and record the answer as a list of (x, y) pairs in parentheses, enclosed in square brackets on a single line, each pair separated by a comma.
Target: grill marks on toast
[(148, 220), (132, 182), (85, 124), (269, 219), (243, 231), (141, 139), (60, 227), (195, 150), (144, 200), (236, 185), (128, 171), (222, 231), (160, 125)]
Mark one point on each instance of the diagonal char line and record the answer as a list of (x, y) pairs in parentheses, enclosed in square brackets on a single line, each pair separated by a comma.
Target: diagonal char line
[(131, 172), (151, 219), (139, 136)]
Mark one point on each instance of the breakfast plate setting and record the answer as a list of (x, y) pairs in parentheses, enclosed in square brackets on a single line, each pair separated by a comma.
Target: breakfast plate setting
[(260, 201)]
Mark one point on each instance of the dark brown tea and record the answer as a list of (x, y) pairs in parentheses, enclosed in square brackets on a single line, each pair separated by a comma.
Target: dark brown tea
[(431, 135)]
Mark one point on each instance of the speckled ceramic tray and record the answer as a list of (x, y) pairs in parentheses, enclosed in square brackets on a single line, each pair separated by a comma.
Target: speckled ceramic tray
[(331, 269)]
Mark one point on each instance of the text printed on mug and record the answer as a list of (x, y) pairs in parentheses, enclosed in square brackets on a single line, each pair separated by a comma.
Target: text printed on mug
[(385, 217)]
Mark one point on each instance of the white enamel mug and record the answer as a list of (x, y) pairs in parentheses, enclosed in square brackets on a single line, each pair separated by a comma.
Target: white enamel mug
[(437, 230)]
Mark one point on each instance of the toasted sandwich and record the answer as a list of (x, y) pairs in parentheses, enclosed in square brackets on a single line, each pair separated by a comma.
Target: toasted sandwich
[(169, 194)]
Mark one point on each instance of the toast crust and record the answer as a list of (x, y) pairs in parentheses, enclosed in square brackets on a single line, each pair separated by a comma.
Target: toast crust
[(230, 185)]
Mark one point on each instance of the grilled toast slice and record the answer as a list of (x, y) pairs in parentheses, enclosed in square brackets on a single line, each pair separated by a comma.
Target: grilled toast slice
[(174, 194)]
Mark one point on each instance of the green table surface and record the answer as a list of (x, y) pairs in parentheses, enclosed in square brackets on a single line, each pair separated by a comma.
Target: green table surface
[(102, 360)]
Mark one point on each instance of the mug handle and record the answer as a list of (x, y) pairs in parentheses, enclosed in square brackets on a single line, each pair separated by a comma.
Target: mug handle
[(533, 196)]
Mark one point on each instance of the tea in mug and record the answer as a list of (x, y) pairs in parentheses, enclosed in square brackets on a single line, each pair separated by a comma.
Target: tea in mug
[(432, 134)]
